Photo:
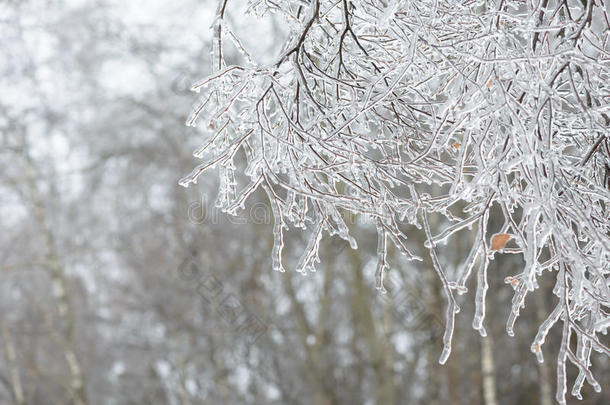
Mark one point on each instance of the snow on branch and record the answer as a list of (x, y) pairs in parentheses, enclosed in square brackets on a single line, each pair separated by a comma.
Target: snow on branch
[(373, 104)]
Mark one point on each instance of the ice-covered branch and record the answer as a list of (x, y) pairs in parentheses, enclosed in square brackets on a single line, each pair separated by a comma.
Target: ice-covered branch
[(402, 110)]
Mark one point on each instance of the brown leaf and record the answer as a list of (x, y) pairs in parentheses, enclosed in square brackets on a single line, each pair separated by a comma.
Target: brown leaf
[(499, 241)]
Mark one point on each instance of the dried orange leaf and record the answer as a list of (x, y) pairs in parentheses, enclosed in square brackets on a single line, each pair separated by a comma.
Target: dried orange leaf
[(499, 241), (456, 145), (488, 85)]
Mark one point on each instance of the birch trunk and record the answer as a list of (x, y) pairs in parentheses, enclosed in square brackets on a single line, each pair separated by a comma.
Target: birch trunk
[(487, 365)]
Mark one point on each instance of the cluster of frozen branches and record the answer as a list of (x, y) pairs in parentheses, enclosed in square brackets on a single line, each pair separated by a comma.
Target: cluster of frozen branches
[(399, 110)]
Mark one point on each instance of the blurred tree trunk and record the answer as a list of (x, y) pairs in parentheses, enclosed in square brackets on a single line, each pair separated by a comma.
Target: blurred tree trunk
[(436, 392), (488, 368), (59, 286), (315, 371), (389, 386), (378, 347), (182, 390), (11, 360)]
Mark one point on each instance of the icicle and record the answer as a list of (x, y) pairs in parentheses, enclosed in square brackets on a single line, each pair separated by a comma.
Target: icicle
[(381, 258), (452, 309), (517, 302), (278, 236), (482, 286), (543, 331), (342, 228), (577, 387), (278, 245), (310, 255), (239, 202), (466, 268), (582, 360)]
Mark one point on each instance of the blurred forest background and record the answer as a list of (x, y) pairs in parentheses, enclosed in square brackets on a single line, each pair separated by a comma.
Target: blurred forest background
[(117, 286)]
